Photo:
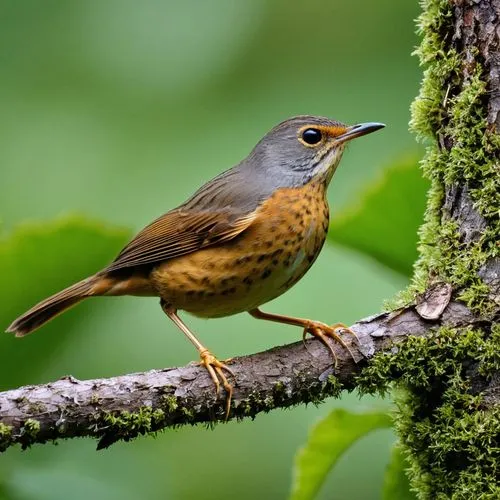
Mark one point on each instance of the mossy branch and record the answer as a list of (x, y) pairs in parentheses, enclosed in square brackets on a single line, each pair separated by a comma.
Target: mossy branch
[(124, 407)]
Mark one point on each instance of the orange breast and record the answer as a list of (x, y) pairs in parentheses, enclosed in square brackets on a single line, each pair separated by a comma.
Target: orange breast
[(255, 267)]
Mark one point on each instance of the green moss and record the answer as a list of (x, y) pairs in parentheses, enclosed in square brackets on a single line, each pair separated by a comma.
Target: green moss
[(127, 425), (285, 396), (31, 427), (448, 430), (279, 388), (451, 437), (414, 362), (187, 413), (454, 449), (170, 403), (333, 386), (5, 431), (5, 436), (450, 112), (490, 355), (29, 433)]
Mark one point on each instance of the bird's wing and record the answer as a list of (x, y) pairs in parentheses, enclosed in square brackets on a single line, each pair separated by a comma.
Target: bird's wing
[(180, 232), (219, 211)]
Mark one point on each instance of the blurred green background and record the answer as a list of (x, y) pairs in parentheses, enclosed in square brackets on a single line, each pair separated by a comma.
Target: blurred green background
[(118, 110)]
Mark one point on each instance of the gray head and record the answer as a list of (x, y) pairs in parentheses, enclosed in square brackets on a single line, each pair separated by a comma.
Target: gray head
[(304, 147), (290, 155)]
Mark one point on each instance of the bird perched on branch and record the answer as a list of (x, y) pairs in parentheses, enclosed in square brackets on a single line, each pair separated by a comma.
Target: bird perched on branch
[(241, 240)]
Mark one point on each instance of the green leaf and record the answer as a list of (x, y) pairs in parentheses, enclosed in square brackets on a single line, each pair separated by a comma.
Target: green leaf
[(328, 440), (385, 220), (396, 483), (35, 262)]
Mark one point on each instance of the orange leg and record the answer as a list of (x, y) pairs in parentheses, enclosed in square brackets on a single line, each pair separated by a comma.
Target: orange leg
[(317, 329), (214, 367)]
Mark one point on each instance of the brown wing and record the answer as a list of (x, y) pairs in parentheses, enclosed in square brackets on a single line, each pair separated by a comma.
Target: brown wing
[(180, 232)]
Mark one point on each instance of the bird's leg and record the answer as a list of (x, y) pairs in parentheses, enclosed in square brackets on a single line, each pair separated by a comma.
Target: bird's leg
[(214, 367), (317, 329)]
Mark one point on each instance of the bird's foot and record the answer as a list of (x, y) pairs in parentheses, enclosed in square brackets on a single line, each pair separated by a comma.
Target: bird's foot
[(216, 370), (322, 332)]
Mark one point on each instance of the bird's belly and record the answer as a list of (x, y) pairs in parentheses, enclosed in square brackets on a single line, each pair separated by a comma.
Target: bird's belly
[(255, 267)]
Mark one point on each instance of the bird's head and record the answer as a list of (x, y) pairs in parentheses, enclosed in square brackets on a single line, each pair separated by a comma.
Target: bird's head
[(305, 147)]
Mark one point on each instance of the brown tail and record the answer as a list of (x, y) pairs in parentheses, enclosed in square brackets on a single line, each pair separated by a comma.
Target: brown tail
[(55, 305)]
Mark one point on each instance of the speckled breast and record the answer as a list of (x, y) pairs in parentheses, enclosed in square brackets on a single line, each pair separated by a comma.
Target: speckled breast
[(255, 267)]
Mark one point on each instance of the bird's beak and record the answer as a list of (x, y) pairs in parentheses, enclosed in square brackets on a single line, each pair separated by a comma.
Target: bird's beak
[(358, 130)]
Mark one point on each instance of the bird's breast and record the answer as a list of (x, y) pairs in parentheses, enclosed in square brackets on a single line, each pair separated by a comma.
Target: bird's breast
[(255, 267)]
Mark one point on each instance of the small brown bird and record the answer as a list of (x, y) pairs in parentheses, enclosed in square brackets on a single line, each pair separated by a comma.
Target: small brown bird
[(241, 240)]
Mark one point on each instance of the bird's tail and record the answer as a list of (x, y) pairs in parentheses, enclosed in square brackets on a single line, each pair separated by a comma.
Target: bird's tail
[(57, 304)]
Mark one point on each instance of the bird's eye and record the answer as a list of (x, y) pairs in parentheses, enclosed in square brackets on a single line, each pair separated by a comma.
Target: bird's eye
[(312, 136)]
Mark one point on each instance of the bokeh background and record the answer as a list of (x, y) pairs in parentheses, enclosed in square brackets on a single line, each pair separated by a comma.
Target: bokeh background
[(118, 111)]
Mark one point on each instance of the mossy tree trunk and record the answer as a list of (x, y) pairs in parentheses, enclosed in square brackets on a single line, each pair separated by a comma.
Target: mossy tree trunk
[(450, 417)]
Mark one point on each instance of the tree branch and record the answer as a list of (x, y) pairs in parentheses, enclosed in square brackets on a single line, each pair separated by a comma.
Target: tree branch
[(126, 406)]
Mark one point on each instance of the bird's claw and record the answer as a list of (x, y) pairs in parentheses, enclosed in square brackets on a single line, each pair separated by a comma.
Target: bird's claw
[(216, 370), (322, 332)]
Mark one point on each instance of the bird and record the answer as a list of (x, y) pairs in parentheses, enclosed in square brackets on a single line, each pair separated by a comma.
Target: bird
[(241, 240)]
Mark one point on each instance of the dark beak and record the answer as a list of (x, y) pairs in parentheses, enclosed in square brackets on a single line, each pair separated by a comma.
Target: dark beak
[(359, 130)]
